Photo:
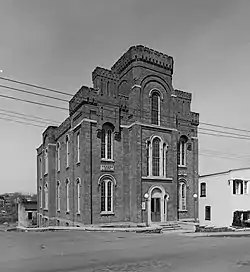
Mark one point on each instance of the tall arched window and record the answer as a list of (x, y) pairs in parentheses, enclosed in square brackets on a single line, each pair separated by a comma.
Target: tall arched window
[(41, 168), (58, 157), (67, 195), (67, 151), (182, 151), (155, 108), (106, 195), (58, 196), (78, 195), (41, 196), (203, 189), (78, 146), (46, 161), (182, 196), (46, 197), (107, 142), (156, 157)]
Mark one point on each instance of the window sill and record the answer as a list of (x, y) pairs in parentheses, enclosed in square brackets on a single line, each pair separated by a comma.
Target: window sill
[(203, 196), (46, 209), (78, 213), (45, 174), (58, 211), (157, 178), (67, 212), (107, 160), (107, 213), (182, 210), (78, 163), (58, 171), (67, 167), (182, 166)]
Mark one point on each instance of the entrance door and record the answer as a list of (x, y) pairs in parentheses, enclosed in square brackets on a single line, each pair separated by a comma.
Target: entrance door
[(156, 209)]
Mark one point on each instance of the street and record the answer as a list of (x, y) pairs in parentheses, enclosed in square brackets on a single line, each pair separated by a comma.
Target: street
[(95, 251)]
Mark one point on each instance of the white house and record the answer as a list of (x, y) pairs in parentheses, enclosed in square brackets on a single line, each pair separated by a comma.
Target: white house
[(221, 194)]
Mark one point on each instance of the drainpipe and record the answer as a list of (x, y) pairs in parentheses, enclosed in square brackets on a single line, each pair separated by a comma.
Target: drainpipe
[(91, 169)]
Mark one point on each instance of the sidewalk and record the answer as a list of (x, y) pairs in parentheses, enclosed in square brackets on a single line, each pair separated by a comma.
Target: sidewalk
[(238, 233), (150, 229)]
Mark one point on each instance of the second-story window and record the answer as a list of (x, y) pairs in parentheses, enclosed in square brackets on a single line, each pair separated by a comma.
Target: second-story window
[(46, 161), (58, 157), (67, 151), (155, 108), (41, 167), (203, 188), (238, 187), (78, 146), (156, 157), (182, 151), (107, 142)]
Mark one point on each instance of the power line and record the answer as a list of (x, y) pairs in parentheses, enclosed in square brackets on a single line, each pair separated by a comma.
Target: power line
[(28, 115), (21, 122), (221, 135), (35, 86), (37, 94), (229, 133), (33, 102), (64, 93), (27, 118)]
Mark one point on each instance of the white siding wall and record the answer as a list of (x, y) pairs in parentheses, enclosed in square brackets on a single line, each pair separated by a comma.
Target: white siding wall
[(221, 199)]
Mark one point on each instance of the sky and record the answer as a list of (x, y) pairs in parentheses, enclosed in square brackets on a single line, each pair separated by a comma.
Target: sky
[(58, 43)]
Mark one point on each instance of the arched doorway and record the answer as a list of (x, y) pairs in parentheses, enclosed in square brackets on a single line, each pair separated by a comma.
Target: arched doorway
[(157, 204)]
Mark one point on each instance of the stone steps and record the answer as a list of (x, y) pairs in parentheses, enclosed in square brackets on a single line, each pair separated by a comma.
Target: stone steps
[(167, 226)]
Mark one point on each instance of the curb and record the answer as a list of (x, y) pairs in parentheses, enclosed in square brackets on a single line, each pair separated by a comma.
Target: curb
[(91, 229)]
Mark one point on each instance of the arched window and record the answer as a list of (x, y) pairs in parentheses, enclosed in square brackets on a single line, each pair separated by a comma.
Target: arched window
[(46, 161), (58, 157), (182, 196), (155, 108), (78, 146), (182, 151), (106, 195), (41, 196), (67, 151), (78, 195), (46, 197), (203, 189), (67, 195), (156, 157), (107, 142), (58, 196), (41, 168)]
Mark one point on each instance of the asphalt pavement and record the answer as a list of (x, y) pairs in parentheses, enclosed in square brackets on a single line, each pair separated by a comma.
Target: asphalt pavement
[(95, 251)]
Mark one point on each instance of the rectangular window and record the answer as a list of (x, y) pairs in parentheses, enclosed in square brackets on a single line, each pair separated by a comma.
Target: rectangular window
[(78, 146), (41, 196), (245, 187), (29, 215), (203, 189), (238, 187), (46, 197), (208, 213)]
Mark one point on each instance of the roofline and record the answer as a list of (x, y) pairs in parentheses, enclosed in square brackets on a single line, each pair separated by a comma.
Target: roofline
[(224, 172)]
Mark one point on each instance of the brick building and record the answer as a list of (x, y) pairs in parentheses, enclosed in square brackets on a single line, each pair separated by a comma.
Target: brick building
[(128, 152)]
